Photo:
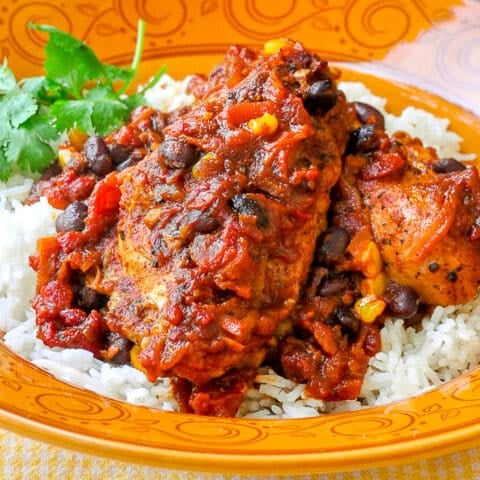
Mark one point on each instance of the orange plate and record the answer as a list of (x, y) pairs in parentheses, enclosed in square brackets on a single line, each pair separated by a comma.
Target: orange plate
[(434, 45)]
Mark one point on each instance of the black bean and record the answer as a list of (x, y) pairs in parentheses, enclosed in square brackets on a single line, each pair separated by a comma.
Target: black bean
[(97, 155), (320, 97), (345, 317), (402, 300), (89, 299), (178, 153), (119, 153), (249, 206), (72, 219), (416, 319), (333, 245), (448, 165), (332, 286), (123, 345), (127, 163), (366, 112), (132, 159), (363, 139), (206, 224)]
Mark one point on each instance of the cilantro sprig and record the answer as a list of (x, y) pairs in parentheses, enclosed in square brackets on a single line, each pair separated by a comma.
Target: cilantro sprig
[(77, 91)]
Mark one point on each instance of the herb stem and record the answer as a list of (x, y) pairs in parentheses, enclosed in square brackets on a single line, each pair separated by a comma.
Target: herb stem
[(162, 70), (139, 46), (137, 57)]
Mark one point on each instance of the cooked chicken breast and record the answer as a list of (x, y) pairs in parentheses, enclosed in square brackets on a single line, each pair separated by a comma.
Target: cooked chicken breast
[(210, 236), (217, 227), (423, 213)]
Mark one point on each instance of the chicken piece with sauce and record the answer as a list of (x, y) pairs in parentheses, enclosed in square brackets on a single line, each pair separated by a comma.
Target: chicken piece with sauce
[(213, 232), (422, 212), (404, 236), (217, 227)]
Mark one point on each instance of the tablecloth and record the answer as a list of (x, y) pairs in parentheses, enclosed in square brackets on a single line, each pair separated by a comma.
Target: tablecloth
[(24, 459)]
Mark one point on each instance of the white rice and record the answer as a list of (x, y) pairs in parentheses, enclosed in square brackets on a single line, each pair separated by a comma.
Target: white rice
[(169, 94), (410, 362)]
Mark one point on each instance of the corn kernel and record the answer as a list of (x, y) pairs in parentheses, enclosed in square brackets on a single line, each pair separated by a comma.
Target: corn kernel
[(284, 328), (263, 126), (275, 45), (201, 169), (77, 138), (134, 360), (64, 157), (371, 260), (374, 286), (368, 308)]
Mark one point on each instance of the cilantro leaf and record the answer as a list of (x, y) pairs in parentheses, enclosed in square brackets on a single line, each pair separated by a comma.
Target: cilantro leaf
[(28, 151), (8, 82), (100, 112), (29, 146), (113, 73), (66, 114), (16, 108), (78, 91), (5, 167), (109, 112), (72, 63), (135, 100), (36, 86), (69, 61)]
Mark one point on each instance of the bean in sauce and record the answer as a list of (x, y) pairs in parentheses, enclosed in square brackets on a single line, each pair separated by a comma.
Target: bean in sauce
[(206, 224), (249, 206), (122, 357), (347, 320), (332, 286), (362, 139), (97, 155), (178, 153), (118, 153), (72, 219), (320, 97), (333, 245), (402, 300), (90, 299), (448, 165), (366, 113)]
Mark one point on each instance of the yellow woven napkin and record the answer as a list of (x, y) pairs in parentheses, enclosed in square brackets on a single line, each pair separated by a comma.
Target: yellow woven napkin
[(23, 458)]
